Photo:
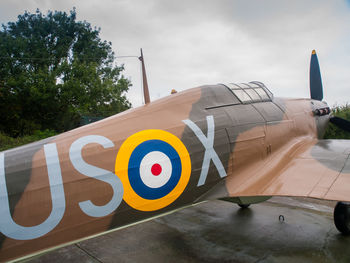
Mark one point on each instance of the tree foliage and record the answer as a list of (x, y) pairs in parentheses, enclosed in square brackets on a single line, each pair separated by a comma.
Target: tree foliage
[(53, 70), (333, 132)]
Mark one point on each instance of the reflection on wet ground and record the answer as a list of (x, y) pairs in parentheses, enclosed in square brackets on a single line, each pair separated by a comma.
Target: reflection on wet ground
[(219, 231)]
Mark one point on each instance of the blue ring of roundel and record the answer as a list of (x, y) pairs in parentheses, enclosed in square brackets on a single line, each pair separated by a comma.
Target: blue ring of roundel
[(134, 169)]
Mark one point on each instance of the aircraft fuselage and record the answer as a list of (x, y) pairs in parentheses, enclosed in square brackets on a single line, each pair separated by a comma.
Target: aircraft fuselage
[(195, 145)]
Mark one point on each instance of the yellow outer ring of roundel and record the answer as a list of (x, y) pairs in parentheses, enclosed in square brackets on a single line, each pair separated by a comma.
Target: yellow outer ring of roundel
[(122, 163)]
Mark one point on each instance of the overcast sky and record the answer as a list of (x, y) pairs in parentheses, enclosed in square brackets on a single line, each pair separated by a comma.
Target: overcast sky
[(188, 43)]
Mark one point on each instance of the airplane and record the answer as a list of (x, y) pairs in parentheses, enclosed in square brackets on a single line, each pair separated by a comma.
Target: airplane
[(235, 142)]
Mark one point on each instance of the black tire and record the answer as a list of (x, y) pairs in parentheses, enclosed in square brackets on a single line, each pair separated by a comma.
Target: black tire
[(244, 206), (342, 217)]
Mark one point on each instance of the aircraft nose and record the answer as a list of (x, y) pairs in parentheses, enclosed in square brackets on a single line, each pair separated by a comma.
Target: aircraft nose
[(321, 112)]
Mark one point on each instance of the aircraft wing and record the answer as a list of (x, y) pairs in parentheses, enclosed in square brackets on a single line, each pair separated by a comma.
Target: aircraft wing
[(315, 168)]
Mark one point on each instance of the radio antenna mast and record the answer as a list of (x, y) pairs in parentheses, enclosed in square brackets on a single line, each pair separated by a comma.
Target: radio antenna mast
[(144, 80)]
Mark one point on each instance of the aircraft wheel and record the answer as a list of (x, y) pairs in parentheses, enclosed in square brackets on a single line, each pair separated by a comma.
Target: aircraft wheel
[(244, 206), (342, 217)]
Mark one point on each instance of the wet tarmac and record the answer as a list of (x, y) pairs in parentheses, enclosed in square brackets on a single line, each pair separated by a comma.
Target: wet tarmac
[(219, 231)]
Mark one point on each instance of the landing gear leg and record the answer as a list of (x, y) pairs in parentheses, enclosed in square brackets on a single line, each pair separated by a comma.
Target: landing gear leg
[(342, 217)]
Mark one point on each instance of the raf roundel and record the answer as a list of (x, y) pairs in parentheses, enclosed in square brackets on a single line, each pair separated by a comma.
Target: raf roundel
[(154, 167)]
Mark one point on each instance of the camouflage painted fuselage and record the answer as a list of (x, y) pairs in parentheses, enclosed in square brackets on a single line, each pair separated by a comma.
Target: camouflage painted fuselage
[(198, 144)]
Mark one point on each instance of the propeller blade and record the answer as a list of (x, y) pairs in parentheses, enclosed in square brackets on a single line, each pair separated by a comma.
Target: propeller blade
[(316, 89), (341, 123)]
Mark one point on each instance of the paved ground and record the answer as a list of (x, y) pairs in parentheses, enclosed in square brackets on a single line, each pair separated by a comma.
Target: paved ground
[(219, 231)]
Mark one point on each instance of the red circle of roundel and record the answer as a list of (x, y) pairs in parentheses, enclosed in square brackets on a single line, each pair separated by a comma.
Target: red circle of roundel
[(156, 169)]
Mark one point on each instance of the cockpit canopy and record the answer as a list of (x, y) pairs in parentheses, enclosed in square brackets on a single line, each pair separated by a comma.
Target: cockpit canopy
[(250, 92)]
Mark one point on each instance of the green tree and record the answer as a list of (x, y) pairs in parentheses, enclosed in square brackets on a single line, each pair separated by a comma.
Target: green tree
[(53, 70)]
